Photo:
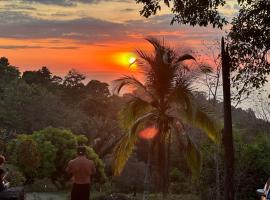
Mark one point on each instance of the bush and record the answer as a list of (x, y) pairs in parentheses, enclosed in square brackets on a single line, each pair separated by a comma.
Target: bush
[(15, 178), (24, 154), (50, 150)]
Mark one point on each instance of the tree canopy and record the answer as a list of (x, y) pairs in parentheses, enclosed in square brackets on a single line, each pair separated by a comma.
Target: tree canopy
[(249, 46), (193, 12)]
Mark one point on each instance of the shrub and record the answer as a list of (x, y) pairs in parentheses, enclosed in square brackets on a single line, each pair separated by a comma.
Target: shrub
[(50, 150)]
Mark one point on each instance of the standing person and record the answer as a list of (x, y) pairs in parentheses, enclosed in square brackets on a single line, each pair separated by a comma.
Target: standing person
[(81, 169), (2, 160)]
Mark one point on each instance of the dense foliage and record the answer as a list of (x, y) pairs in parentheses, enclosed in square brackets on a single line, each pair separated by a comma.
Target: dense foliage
[(190, 12), (249, 46), (45, 154)]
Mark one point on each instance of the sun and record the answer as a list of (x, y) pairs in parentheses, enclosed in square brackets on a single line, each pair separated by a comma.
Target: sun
[(126, 59), (132, 60)]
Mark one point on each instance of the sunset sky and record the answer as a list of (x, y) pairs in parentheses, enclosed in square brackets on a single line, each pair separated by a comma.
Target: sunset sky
[(97, 37)]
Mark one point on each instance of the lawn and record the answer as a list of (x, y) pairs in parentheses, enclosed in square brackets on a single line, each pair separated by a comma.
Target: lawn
[(64, 196), (47, 196)]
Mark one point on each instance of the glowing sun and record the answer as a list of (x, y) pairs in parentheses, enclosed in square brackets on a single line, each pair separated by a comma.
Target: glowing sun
[(126, 59), (132, 60)]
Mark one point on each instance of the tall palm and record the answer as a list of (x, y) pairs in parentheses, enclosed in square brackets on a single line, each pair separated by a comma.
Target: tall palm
[(166, 102)]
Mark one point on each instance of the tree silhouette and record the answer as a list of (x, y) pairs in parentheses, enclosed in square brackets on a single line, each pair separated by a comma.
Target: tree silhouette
[(165, 104)]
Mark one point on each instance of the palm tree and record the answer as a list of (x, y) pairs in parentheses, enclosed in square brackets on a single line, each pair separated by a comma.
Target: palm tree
[(166, 102)]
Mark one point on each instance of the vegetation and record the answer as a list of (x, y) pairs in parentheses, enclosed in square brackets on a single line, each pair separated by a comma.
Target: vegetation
[(48, 152)]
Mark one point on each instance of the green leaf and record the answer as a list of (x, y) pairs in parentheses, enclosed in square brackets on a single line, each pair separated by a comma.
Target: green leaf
[(201, 118), (135, 108), (126, 145), (122, 152), (194, 159)]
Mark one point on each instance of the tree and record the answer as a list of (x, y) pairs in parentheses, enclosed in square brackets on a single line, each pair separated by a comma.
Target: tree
[(43, 76), (73, 80), (164, 108), (26, 108), (227, 135), (29, 164), (193, 12), (73, 87), (249, 46), (98, 89), (96, 98), (8, 72)]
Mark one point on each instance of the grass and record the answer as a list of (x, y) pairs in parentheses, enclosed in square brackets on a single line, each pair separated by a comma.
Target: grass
[(65, 196), (47, 196)]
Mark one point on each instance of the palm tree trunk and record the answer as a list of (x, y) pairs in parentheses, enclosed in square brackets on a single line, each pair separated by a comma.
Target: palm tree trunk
[(147, 173), (167, 166), (217, 171), (227, 137)]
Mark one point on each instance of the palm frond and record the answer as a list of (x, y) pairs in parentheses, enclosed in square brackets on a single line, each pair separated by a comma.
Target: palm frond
[(202, 118), (147, 118), (155, 42), (145, 57), (193, 157), (184, 57), (192, 153), (206, 69), (181, 94), (118, 85), (132, 110), (122, 152), (126, 145)]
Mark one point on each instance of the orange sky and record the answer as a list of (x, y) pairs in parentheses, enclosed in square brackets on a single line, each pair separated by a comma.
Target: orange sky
[(91, 36)]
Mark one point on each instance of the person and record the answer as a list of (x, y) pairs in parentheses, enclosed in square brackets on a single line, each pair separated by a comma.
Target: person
[(3, 183), (81, 169), (266, 188)]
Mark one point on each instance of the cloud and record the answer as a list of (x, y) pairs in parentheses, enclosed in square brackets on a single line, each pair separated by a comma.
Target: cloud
[(64, 47), (35, 47), (71, 2), (19, 47), (128, 10), (20, 26), (18, 7), (52, 2), (92, 31)]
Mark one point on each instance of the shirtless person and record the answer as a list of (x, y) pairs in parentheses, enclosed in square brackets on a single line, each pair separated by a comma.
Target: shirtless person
[(81, 169)]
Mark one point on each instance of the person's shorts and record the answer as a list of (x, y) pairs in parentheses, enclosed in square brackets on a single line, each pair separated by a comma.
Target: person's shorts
[(80, 192)]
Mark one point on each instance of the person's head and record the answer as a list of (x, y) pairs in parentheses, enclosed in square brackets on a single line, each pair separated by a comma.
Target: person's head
[(2, 159), (2, 174), (81, 150)]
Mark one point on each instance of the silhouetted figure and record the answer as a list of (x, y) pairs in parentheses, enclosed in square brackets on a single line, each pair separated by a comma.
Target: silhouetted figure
[(81, 169), (266, 190)]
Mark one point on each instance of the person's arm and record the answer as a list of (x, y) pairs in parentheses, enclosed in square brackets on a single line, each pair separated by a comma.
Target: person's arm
[(93, 168), (69, 167)]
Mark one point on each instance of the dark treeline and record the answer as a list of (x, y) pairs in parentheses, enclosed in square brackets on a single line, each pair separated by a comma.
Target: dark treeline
[(34, 100)]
